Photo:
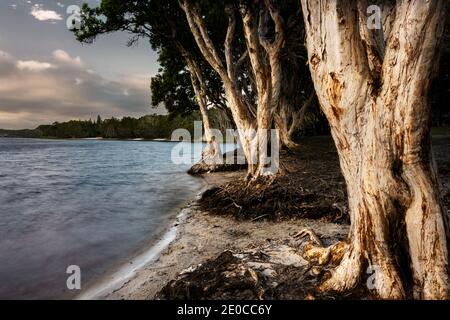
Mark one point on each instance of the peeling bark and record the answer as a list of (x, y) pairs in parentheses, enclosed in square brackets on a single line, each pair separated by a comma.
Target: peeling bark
[(253, 123), (264, 60), (373, 87), (212, 154), (245, 122)]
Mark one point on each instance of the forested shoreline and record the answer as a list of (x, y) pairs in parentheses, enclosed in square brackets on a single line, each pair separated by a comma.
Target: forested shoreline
[(146, 127)]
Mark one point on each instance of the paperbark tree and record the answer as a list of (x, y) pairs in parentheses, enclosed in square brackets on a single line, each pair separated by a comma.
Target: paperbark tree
[(253, 118), (226, 69), (373, 87), (297, 92), (212, 154), (191, 94), (265, 60), (243, 117)]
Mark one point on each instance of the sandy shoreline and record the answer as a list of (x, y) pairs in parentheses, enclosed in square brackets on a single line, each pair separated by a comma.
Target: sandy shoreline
[(116, 279), (121, 275), (197, 237)]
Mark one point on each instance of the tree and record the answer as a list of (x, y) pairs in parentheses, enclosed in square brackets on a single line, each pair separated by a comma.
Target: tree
[(172, 86), (373, 86), (98, 125), (297, 92), (249, 63), (163, 24)]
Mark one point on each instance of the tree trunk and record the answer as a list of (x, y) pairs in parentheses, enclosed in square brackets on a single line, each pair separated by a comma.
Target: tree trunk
[(282, 119), (212, 154), (289, 120), (373, 87), (253, 129), (243, 119), (265, 62)]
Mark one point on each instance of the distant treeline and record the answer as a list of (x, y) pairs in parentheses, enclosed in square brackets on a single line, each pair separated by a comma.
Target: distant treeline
[(19, 133), (147, 127), (150, 127)]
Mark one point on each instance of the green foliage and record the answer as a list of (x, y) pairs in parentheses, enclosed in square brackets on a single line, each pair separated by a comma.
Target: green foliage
[(147, 127), (172, 86)]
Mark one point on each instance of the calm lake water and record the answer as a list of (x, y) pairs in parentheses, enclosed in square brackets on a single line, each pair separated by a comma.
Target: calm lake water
[(89, 203)]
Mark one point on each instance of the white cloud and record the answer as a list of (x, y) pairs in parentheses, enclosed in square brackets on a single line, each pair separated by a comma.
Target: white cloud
[(33, 65), (44, 15), (79, 81), (64, 57), (136, 81)]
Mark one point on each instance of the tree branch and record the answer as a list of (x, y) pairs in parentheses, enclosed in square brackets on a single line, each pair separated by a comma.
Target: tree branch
[(229, 42), (202, 38)]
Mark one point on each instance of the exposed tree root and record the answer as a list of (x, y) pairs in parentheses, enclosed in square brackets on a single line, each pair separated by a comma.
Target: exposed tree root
[(311, 234), (344, 266), (272, 197), (202, 167), (345, 271), (207, 165), (346, 276), (298, 193), (317, 253)]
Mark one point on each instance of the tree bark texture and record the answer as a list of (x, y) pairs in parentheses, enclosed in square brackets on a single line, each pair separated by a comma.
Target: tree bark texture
[(373, 86), (253, 127)]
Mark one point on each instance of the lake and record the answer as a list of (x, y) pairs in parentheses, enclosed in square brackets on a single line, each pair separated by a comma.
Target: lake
[(89, 203)]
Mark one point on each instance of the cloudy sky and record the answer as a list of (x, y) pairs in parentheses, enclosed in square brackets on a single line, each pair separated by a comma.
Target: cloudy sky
[(47, 76)]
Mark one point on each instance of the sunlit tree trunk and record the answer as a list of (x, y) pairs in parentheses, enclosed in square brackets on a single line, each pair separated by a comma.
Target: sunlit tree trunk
[(264, 55), (211, 154), (253, 127), (373, 87)]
